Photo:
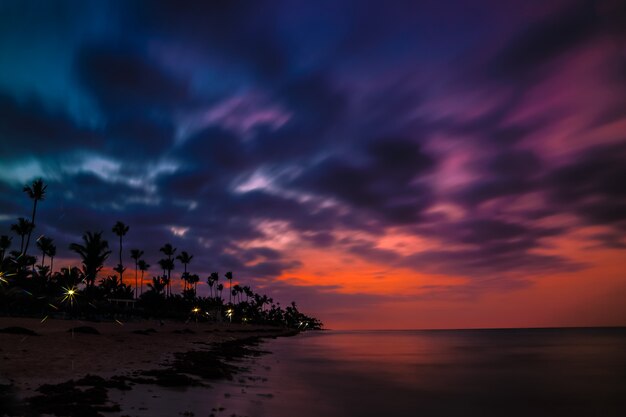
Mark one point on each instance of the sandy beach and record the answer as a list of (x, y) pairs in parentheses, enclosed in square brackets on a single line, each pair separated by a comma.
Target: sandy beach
[(56, 354)]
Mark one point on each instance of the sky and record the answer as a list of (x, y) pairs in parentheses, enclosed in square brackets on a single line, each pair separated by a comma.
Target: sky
[(387, 165)]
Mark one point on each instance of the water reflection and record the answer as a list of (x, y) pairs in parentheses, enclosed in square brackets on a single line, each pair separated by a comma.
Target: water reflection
[(435, 373), (497, 372)]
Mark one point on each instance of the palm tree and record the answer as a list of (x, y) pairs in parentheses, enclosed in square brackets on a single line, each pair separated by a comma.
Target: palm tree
[(52, 252), (143, 267), (169, 251), (211, 280), (229, 276), (136, 254), (220, 288), (248, 291), (236, 291), (93, 252), (158, 285), (44, 243), (193, 279), (5, 243), (184, 259), (216, 280), (36, 191), (68, 277), (120, 229), (22, 228), (167, 265)]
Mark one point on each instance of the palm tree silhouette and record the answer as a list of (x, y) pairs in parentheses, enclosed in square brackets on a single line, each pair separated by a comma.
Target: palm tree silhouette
[(220, 288), (158, 285), (22, 228), (44, 243), (169, 251), (229, 276), (184, 259), (93, 252), (248, 291), (52, 252), (136, 254), (193, 279), (212, 280), (5, 243), (210, 283), (143, 267), (236, 291), (36, 191), (167, 265), (120, 229), (68, 277), (216, 280)]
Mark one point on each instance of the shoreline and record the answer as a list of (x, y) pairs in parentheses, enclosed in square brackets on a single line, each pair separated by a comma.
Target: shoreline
[(54, 363)]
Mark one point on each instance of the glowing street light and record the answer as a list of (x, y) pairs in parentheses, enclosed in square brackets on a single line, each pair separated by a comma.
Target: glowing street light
[(69, 295)]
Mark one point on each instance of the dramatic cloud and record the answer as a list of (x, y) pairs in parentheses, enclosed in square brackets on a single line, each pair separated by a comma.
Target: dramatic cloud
[(338, 153)]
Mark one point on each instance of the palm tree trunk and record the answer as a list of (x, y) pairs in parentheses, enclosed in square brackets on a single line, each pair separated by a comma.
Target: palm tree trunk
[(141, 287), (51, 263), (43, 258), (32, 220), (135, 278), (121, 267)]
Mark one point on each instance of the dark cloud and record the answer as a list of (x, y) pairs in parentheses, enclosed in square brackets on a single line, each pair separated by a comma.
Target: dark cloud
[(161, 157), (592, 185), (316, 107), (322, 239), (383, 179), (546, 40), (124, 81), (502, 261), (505, 173), (138, 137), (27, 127), (238, 32)]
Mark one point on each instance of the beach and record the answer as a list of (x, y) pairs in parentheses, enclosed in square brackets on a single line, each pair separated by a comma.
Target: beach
[(54, 353), (146, 368)]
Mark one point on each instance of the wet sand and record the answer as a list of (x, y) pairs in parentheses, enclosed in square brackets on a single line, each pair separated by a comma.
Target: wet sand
[(56, 354)]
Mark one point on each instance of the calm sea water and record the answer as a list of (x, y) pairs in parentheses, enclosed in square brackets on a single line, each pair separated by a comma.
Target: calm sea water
[(542, 372)]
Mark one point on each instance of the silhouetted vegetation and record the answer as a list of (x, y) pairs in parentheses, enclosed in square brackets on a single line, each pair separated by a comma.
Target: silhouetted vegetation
[(30, 289)]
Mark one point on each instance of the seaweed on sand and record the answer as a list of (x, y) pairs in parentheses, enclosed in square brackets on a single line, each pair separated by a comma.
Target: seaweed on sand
[(84, 397)]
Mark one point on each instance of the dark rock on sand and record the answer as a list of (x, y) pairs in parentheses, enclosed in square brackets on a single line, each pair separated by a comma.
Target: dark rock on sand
[(84, 330), (18, 330), (146, 332), (184, 331)]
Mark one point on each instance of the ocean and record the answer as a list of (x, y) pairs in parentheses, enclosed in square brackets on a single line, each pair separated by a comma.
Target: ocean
[(500, 372)]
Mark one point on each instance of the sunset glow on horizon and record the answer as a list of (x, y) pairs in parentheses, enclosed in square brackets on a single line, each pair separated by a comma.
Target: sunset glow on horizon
[(396, 165)]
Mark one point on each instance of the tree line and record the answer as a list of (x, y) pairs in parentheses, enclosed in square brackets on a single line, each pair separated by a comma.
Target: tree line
[(30, 288)]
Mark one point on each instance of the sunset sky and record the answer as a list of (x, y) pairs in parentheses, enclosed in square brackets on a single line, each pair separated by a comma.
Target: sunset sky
[(392, 164)]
